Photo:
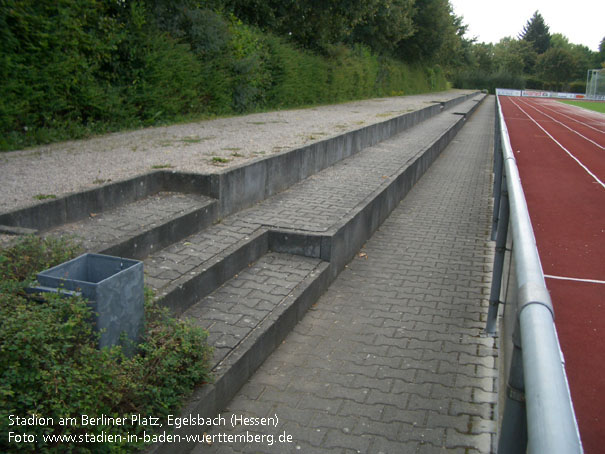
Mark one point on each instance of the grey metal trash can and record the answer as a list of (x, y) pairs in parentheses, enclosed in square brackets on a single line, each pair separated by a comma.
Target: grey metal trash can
[(114, 287)]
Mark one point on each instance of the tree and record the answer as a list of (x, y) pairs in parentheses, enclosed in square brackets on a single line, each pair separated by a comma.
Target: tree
[(584, 60), (559, 40), (556, 66), (438, 33), (583, 57), (536, 33), (601, 54), (385, 25), (515, 57), (55, 61), (483, 57), (313, 24)]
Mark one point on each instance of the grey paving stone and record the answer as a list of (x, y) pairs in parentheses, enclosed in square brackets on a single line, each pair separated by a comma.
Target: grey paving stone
[(397, 363), (230, 317), (312, 205), (378, 363), (101, 230)]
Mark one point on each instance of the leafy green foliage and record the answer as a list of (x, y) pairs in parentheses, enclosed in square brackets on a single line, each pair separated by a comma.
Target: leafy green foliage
[(488, 80), (385, 25), (435, 34), (537, 60), (73, 68), (53, 64), (50, 365), (536, 33), (556, 66), (21, 262), (305, 78), (515, 56)]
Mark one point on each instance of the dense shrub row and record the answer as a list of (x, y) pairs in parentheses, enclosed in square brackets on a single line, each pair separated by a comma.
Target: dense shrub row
[(76, 67), (489, 81), (50, 366)]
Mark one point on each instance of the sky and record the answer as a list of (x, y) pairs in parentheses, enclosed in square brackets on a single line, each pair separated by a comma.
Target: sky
[(581, 21)]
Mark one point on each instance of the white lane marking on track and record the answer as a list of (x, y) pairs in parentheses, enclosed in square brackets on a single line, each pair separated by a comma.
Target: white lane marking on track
[(576, 279), (573, 119), (562, 147), (563, 124)]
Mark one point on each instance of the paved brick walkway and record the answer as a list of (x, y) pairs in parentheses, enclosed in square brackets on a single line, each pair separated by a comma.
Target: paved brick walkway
[(102, 230), (391, 358), (312, 205), (231, 312)]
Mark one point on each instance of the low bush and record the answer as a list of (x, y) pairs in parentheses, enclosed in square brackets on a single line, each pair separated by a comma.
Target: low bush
[(51, 368)]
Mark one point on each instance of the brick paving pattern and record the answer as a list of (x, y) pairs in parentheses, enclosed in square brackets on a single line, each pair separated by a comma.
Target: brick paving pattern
[(313, 205), (391, 359), (101, 230), (231, 312)]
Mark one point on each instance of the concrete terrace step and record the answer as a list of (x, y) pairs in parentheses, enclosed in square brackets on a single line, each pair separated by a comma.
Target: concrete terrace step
[(318, 206), (466, 106), (246, 251), (236, 188), (315, 227), (137, 228), (391, 357), (249, 315)]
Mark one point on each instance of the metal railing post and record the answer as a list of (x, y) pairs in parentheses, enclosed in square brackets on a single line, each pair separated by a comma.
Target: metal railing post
[(513, 433), (499, 183), (500, 253), (498, 176)]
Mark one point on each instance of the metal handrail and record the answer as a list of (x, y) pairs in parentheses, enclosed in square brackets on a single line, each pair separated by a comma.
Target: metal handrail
[(542, 420)]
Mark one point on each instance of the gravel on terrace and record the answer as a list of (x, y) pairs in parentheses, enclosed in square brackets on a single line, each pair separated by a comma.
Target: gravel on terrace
[(62, 168)]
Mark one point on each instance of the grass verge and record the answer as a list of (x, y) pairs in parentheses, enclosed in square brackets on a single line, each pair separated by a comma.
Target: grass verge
[(596, 106)]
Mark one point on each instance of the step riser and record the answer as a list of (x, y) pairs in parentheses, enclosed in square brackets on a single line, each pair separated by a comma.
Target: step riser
[(236, 188), (74, 207), (240, 365), (140, 246), (243, 186), (336, 248), (200, 283)]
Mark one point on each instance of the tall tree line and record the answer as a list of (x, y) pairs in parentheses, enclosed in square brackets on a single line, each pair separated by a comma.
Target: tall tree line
[(536, 58), (73, 66), (408, 29)]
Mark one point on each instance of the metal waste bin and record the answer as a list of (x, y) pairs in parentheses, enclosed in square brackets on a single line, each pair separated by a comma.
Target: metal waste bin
[(114, 288)]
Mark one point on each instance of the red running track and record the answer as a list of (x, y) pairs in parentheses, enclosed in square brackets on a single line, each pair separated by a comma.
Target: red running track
[(560, 154)]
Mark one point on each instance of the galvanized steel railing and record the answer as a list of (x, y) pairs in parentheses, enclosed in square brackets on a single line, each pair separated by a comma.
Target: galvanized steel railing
[(538, 415)]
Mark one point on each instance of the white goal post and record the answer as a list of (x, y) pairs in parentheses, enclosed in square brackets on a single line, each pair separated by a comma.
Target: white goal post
[(595, 84)]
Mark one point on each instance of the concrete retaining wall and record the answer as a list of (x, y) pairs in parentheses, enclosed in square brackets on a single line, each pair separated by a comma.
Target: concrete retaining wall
[(236, 188)]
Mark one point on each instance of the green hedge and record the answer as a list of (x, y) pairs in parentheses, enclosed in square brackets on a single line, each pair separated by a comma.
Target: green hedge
[(79, 67), (50, 366), (480, 80)]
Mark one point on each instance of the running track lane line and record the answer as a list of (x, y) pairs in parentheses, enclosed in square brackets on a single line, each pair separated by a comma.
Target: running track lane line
[(572, 118), (562, 147), (563, 124), (575, 279)]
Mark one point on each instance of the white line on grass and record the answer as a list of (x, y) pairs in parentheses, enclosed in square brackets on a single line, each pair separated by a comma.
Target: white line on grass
[(562, 147)]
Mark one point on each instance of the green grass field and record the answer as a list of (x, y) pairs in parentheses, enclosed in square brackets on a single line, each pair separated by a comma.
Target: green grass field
[(590, 105)]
